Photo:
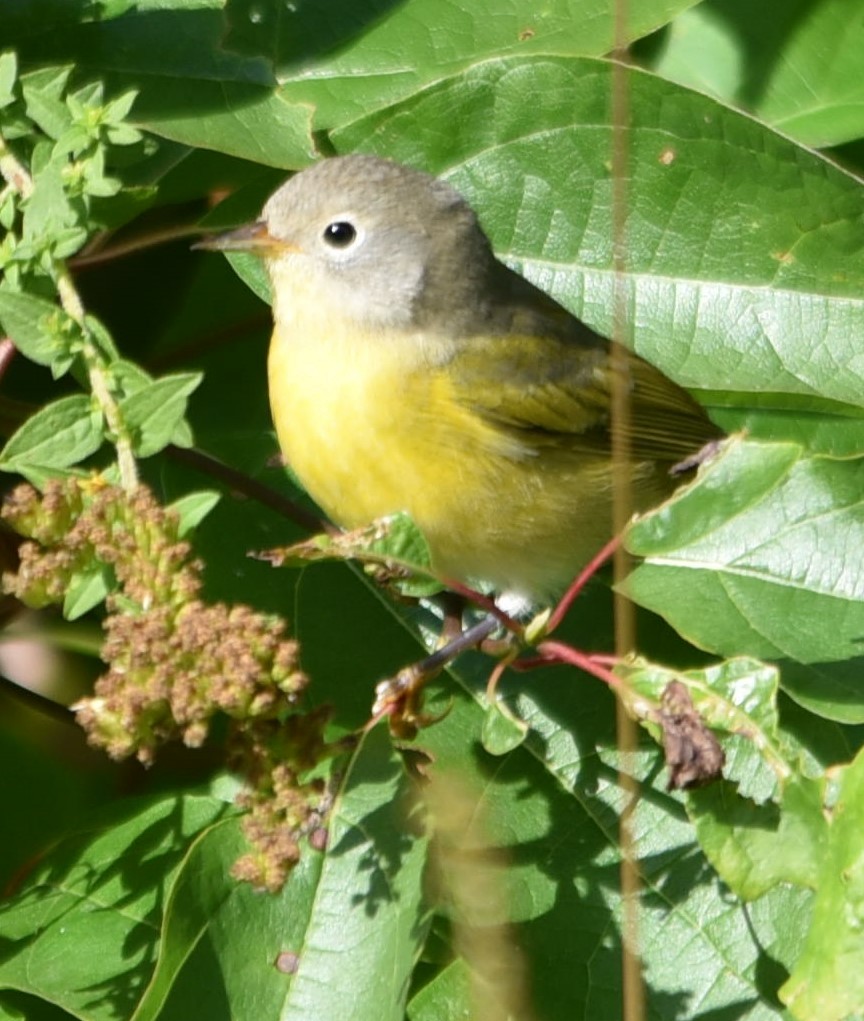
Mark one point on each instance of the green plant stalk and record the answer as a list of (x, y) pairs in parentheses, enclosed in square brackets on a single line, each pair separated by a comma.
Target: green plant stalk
[(71, 302), (18, 178)]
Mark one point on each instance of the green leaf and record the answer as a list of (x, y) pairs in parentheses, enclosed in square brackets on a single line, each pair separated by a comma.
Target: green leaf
[(755, 847), (25, 319), (89, 916), (205, 911), (153, 412), (361, 56), (366, 61), (445, 998), (48, 211), (117, 110), (192, 509), (86, 589), (738, 697), (827, 983), (393, 547), (795, 65), (8, 77), (367, 921), (772, 541), (502, 732), (129, 377), (753, 280), (57, 436), (43, 91), (233, 117)]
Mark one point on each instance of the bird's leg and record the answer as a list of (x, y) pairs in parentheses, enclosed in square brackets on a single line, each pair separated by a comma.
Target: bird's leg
[(400, 697), (453, 606)]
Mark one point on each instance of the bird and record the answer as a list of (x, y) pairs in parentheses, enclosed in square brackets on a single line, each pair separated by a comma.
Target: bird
[(410, 370)]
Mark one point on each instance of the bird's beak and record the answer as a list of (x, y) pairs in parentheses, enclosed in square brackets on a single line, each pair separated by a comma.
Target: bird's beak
[(253, 237)]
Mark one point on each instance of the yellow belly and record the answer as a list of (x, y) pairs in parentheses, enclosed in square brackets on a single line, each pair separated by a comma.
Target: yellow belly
[(369, 430)]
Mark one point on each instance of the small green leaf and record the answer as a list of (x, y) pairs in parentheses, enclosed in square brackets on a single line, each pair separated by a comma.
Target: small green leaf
[(393, 547), (105, 342), (42, 94), (48, 210), (89, 96), (192, 509), (738, 697), (34, 324), (183, 436), (86, 590), (118, 109), (8, 77), (68, 241), (57, 436), (502, 732), (123, 134), (153, 412), (72, 142), (129, 377)]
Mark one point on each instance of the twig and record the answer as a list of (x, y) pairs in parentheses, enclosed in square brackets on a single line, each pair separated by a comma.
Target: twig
[(245, 484)]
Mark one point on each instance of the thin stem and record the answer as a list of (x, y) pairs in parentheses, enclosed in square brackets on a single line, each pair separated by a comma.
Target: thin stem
[(74, 308), (558, 652), (633, 986), (245, 484), (582, 579)]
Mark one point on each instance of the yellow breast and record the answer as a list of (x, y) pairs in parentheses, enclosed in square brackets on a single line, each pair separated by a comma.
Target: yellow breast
[(371, 427)]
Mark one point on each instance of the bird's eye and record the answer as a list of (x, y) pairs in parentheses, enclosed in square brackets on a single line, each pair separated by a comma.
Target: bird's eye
[(340, 234)]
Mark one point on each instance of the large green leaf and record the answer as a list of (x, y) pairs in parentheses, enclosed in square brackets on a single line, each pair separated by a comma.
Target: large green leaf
[(202, 966), (756, 847), (367, 922), (762, 555), (551, 809), (745, 252), (205, 75), (402, 47), (795, 64), (83, 932)]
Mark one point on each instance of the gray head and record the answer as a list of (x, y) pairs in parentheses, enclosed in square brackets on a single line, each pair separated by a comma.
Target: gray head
[(394, 246)]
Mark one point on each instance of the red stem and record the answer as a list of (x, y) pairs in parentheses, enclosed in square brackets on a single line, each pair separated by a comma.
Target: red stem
[(582, 579)]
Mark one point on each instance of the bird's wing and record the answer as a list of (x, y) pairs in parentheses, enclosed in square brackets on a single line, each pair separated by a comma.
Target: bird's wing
[(551, 392)]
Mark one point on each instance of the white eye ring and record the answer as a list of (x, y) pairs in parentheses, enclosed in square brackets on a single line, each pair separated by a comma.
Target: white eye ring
[(341, 235)]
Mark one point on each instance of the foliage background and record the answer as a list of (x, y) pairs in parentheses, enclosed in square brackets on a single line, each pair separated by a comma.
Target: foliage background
[(743, 281)]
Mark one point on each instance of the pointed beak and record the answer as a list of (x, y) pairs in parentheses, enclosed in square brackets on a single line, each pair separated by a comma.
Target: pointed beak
[(253, 237)]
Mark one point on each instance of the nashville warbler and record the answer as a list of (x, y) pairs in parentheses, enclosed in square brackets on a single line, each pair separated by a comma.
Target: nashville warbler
[(410, 370)]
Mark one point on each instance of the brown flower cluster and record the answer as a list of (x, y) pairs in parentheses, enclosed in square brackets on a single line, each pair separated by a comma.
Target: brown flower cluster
[(175, 662), (280, 810)]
